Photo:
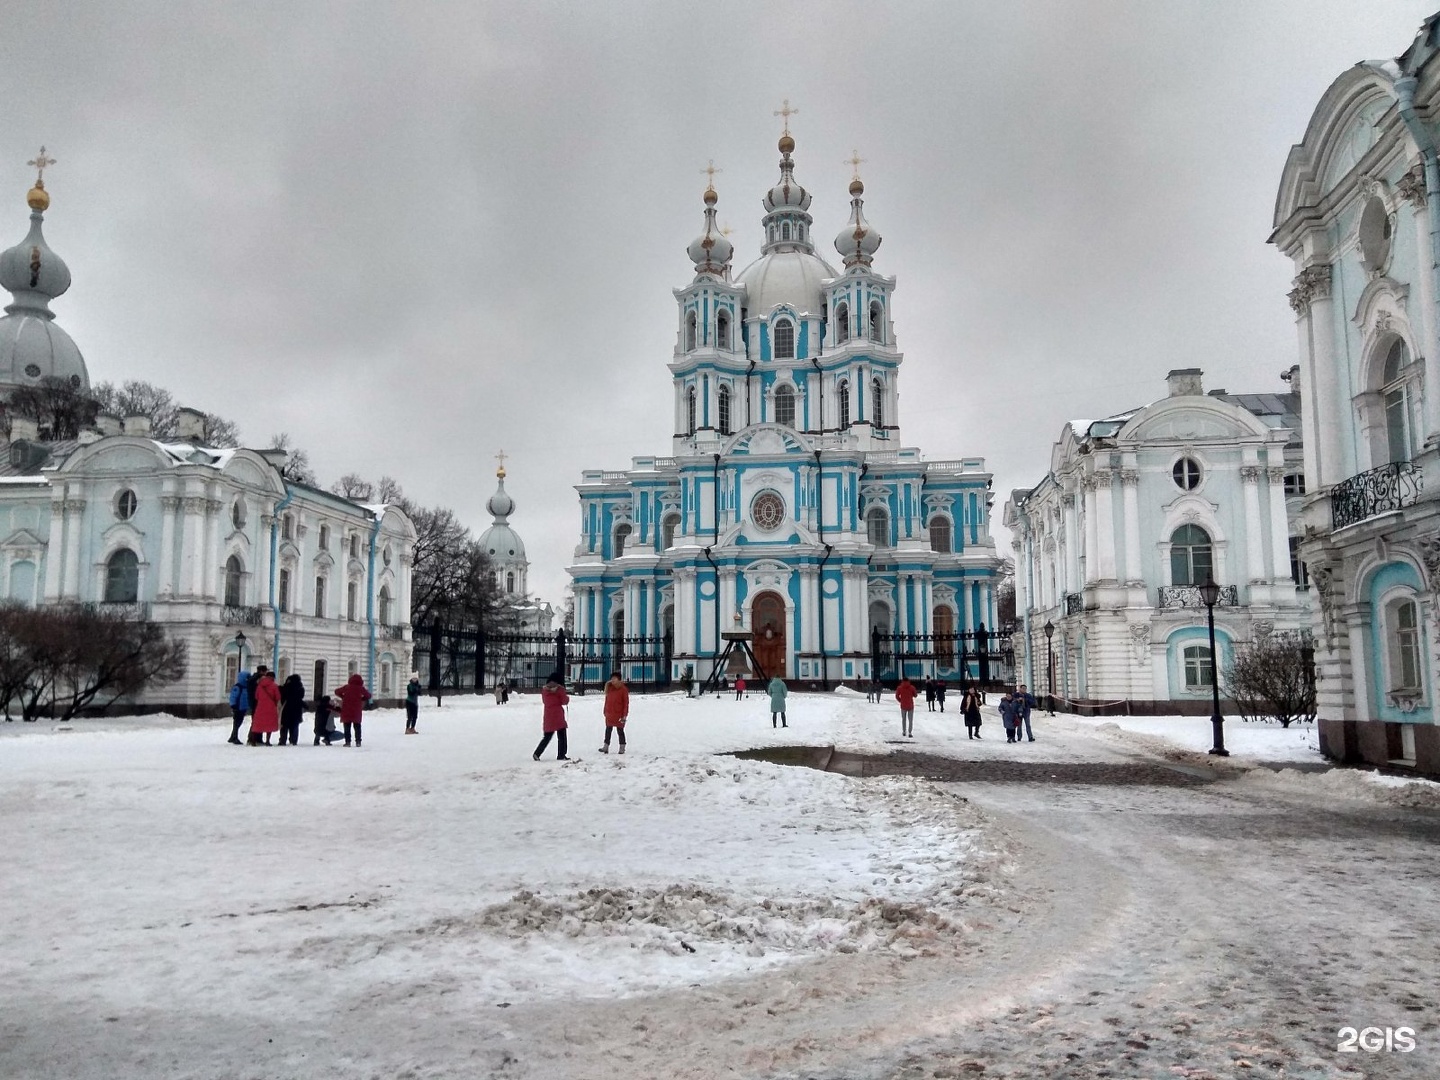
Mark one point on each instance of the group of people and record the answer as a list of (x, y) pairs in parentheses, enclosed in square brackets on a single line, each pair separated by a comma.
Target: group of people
[(555, 722), (1014, 707), (280, 707), (1015, 713)]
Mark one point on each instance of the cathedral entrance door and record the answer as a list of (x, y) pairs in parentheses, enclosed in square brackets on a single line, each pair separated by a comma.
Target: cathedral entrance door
[(767, 617)]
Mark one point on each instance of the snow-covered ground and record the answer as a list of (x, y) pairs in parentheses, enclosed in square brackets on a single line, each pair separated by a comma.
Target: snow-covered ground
[(1247, 740)]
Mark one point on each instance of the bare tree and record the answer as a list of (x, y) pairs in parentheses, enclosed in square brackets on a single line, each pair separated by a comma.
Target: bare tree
[(297, 465), (60, 410), (135, 397), (353, 486), (1273, 676)]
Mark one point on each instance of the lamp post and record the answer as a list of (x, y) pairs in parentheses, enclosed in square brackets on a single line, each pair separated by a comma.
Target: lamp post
[(1210, 593), (240, 651), (1050, 666)]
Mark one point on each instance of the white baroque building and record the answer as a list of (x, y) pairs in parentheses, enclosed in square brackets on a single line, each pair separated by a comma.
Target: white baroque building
[(789, 507), (211, 543), (1358, 214), (1136, 512)]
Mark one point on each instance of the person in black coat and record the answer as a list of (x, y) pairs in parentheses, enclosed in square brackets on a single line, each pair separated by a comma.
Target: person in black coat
[(292, 710), (324, 721)]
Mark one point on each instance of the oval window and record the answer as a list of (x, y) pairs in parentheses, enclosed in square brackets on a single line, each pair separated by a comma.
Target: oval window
[(125, 504), (33, 370), (1186, 473), (1376, 231)]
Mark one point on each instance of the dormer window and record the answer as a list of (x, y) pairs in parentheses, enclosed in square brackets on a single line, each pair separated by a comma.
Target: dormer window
[(784, 340), (842, 324), (722, 330), (690, 332), (877, 321)]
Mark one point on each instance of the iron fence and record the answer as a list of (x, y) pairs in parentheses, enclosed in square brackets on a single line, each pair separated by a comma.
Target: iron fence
[(1188, 596), (465, 659), (977, 655), (1376, 491)]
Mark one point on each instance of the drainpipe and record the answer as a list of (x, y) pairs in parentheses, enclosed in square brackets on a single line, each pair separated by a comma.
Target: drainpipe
[(1425, 141), (715, 540), (274, 550), (370, 601), (820, 577), (748, 371)]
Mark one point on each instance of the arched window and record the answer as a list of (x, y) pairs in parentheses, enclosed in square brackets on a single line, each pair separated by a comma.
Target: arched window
[(877, 403), (880, 616), (784, 340), (1402, 626), (844, 403), (622, 534), (510, 581), (690, 332), (722, 330), (785, 406), (1190, 556), (943, 622), (940, 534), (690, 411), (877, 527), (384, 605), (785, 230), (877, 321), (122, 577), (319, 597), (667, 531), (1196, 659), (352, 600), (1394, 386), (234, 577), (724, 410), (842, 324)]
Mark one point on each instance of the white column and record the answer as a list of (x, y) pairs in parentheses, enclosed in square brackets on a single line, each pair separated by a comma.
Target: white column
[(74, 518), (1130, 492), (165, 582), (1279, 527), (212, 550), (55, 552), (809, 638), (192, 550), (1254, 541), (260, 594), (1072, 545), (1092, 557), (1105, 525), (652, 616), (903, 581), (1311, 299)]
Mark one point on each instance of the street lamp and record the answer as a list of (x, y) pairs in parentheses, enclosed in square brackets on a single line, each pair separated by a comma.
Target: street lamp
[(240, 651), (1210, 593), (1050, 665)]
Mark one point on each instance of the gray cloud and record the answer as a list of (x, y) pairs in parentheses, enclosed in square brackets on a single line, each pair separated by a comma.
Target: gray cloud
[(412, 239)]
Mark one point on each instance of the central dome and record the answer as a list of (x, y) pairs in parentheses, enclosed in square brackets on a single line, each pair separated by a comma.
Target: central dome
[(795, 278)]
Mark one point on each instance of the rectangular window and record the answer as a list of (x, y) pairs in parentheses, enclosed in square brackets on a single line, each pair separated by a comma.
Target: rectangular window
[(352, 595), (1407, 645), (1294, 483), (1298, 569), (385, 677), (283, 592), (319, 597), (1197, 667), (319, 686), (324, 537)]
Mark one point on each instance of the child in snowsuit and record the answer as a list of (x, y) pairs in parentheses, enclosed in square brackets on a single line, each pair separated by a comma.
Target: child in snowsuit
[(239, 705), (324, 721), (617, 710), (778, 692), (555, 698)]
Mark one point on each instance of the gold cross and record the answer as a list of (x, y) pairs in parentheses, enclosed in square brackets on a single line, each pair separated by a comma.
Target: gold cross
[(855, 161), (710, 171), (785, 111), (40, 164), (500, 457)]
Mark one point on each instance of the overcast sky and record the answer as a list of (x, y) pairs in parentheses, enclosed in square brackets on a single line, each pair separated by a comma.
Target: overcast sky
[(411, 239)]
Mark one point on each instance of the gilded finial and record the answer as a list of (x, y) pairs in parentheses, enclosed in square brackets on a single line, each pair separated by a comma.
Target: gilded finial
[(787, 144), (500, 457), (855, 161), (710, 170), (38, 197)]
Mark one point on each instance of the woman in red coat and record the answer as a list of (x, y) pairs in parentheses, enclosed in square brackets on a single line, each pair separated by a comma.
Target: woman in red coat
[(905, 694), (266, 719), (555, 699), (617, 710), (353, 697)]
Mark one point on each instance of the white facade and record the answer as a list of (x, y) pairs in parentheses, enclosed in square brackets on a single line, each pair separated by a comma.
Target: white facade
[(1136, 512), (1358, 214)]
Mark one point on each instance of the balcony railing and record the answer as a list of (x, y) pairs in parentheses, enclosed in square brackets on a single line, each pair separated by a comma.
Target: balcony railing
[(1074, 603), (1377, 491), (1188, 596), (236, 615), (138, 610), (388, 632)]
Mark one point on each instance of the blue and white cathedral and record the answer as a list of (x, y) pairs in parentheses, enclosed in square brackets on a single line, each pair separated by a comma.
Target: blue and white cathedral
[(789, 507)]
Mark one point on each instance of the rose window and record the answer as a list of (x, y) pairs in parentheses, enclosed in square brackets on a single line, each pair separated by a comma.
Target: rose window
[(767, 511)]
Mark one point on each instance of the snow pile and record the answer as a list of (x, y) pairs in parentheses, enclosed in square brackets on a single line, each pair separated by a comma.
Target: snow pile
[(1355, 785), (1254, 740)]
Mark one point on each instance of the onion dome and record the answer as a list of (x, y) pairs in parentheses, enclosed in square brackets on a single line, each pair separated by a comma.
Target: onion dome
[(32, 346), (857, 241), (500, 505), (500, 541), (711, 250), (787, 193)]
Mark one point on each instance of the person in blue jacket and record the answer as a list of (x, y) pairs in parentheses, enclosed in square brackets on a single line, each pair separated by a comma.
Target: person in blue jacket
[(239, 705), (1024, 702), (412, 702)]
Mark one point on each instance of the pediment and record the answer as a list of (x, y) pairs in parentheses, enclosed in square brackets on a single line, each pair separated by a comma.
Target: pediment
[(768, 439), (22, 538), (1206, 419)]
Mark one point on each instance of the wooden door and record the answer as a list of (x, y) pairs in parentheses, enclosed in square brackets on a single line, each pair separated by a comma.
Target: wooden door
[(767, 618)]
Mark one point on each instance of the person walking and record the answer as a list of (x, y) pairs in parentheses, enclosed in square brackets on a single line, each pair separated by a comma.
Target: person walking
[(877, 691), (353, 697), (739, 687), (265, 720), (940, 693), (324, 721), (778, 692), (555, 698), (292, 709), (617, 710), (905, 695), (239, 705), (412, 702), (1008, 716), (930, 694), (970, 707), (1024, 702)]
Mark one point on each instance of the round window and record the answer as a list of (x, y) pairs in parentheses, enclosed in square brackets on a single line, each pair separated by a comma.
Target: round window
[(75, 382), (1186, 473), (33, 370), (1376, 230), (237, 514), (125, 504), (767, 511), (387, 555)]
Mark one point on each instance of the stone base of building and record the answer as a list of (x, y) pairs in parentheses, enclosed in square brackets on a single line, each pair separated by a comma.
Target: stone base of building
[(1378, 742)]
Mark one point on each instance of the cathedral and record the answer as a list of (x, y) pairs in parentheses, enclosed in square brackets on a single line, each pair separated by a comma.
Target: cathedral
[(789, 507)]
